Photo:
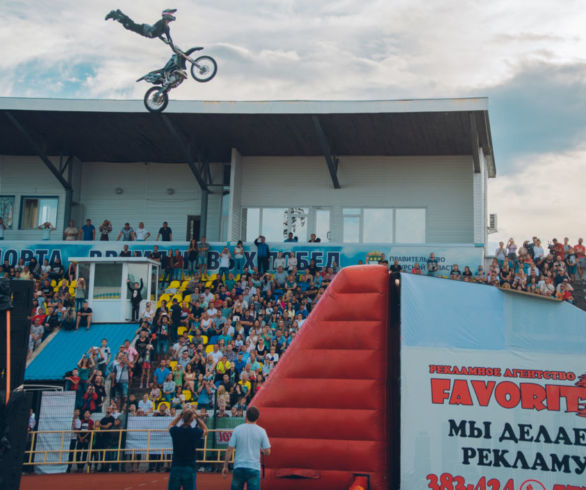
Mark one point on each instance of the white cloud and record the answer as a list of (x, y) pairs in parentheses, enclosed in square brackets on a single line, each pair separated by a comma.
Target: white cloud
[(544, 198)]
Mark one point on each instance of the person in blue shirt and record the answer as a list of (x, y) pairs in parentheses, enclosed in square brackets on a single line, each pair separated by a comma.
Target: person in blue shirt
[(290, 238), (161, 373), (247, 443), (262, 254), (88, 231)]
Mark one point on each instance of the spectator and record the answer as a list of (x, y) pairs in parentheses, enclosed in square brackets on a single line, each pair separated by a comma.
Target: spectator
[(416, 269), (71, 232), (126, 233), (203, 249), (262, 254), (84, 317), (105, 230), (290, 238), (135, 291), (248, 441), (47, 228), (125, 251), (192, 257), (178, 265), (36, 335), (80, 294), (141, 233), (146, 405), (165, 233), (314, 239), (225, 258), (88, 231), (396, 268), (432, 265), (581, 256), (238, 253), (83, 439)]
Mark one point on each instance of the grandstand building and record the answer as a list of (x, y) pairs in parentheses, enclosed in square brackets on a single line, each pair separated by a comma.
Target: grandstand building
[(392, 172)]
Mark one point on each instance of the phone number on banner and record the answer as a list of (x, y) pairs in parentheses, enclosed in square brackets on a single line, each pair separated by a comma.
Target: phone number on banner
[(446, 481)]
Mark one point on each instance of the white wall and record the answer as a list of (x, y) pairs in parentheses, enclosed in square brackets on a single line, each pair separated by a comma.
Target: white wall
[(442, 185), (145, 196), (29, 176)]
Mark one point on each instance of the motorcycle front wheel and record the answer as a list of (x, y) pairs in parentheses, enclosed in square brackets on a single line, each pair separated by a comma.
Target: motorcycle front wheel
[(204, 69), (156, 99)]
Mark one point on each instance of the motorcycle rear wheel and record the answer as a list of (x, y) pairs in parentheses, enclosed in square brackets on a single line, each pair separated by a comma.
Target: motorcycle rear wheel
[(205, 70), (156, 99)]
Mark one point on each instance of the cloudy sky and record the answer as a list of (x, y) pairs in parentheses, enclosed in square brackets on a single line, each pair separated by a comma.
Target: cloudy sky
[(527, 57)]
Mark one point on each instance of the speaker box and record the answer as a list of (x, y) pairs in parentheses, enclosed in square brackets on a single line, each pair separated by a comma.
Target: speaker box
[(13, 438), (22, 304)]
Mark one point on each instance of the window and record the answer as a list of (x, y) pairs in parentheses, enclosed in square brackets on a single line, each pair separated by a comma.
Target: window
[(322, 224), (384, 225), (34, 211), (7, 210), (275, 223), (352, 217), (251, 221), (107, 281), (378, 225), (410, 226)]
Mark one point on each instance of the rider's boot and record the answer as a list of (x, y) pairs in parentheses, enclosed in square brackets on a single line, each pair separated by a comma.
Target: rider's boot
[(113, 14)]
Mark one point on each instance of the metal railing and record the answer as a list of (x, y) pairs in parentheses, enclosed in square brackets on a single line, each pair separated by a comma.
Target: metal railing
[(106, 447)]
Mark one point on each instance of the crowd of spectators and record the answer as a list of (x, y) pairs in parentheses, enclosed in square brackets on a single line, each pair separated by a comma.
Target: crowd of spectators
[(530, 268), (212, 340)]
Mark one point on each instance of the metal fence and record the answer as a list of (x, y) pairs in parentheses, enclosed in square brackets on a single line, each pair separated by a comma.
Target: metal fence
[(107, 447)]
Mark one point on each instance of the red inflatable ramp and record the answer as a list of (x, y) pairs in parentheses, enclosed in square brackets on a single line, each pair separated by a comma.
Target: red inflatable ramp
[(325, 404)]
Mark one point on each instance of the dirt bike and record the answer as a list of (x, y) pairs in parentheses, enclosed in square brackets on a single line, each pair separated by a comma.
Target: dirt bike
[(203, 69)]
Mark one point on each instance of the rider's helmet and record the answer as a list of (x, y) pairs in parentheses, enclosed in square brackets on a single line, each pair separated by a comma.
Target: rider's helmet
[(168, 14)]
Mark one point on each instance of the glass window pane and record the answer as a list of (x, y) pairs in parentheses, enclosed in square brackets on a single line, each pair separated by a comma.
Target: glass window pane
[(36, 211), (274, 223), (7, 210), (252, 220), (351, 229), (322, 224), (107, 281), (297, 223), (410, 226), (378, 226), (351, 211)]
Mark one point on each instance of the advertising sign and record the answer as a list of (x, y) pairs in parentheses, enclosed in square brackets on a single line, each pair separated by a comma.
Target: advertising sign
[(493, 390), (324, 254)]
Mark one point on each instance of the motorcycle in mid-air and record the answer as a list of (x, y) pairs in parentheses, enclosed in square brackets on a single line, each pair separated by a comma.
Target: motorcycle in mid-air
[(203, 69)]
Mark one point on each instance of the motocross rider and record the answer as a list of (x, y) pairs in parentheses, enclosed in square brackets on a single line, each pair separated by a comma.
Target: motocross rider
[(156, 30)]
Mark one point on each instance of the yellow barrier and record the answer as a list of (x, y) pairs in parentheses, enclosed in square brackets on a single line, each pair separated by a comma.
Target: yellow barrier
[(114, 453)]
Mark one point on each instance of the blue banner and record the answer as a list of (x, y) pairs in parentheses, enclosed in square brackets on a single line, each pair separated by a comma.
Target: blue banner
[(324, 254)]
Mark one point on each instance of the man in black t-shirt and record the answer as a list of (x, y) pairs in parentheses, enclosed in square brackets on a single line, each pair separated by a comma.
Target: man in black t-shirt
[(185, 442), (108, 440), (165, 233), (396, 268), (84, 316)]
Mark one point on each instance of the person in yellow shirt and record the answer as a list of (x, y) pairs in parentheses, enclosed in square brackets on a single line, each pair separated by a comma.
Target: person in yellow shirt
[(222, 367)]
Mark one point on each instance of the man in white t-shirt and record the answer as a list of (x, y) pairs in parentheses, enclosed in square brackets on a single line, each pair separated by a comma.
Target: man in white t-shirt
[(248, 441), (141, 234)]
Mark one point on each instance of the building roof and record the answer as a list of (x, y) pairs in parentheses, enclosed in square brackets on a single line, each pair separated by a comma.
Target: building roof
[(123, 131)]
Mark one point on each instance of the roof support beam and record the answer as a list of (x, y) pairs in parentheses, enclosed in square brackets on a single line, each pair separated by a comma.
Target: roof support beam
[(331, 160), (474, 143), (196, 169), (38, 149)]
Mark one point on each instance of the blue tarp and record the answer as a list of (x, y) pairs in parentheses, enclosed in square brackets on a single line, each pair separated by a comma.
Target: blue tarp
[(67, 347)]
